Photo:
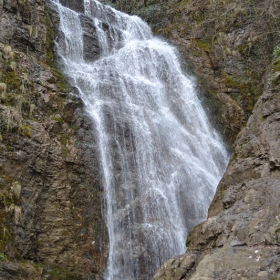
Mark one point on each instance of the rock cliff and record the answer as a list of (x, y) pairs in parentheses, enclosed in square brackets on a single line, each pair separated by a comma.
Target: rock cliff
[(50, 185)]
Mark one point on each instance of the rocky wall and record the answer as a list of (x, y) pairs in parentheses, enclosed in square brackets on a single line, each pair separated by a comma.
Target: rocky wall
[(51, 197)]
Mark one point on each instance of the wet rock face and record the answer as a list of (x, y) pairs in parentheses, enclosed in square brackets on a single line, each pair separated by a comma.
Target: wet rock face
[(90, 40), (241, 235), (226, 49), (91, 48), (50, 182), (75, 5), (230, 86)]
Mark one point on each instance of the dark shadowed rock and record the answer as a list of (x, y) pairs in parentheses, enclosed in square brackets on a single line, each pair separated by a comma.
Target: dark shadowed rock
[(75, 5), (1, 9), (91, 45)]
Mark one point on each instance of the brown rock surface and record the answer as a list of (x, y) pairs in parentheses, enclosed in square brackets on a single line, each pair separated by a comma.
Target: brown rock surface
[(50, 183)]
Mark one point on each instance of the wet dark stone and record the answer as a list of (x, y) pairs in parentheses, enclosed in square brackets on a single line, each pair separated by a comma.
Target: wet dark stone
[(77, 6), (91, 46)]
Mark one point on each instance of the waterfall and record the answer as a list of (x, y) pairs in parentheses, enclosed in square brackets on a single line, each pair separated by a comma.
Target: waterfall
[(160, 158)]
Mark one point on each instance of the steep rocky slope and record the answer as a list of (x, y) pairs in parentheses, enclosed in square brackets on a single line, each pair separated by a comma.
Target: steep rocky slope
[(50, 190)]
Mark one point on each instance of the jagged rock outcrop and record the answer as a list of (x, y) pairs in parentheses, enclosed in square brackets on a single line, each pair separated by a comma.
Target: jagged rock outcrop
[(50, 184)]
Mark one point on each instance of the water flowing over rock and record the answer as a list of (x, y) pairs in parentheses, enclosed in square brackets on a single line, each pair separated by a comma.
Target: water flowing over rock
[(240, 239), (161, 160)]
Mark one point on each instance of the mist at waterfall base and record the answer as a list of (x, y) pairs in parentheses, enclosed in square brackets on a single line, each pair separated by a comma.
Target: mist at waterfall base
[(160, 158)]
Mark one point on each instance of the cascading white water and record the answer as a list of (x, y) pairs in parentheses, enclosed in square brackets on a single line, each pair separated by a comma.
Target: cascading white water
[(161, 159)]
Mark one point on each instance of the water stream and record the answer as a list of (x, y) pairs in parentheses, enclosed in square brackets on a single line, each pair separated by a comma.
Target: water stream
[(161, 160)]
